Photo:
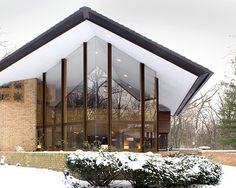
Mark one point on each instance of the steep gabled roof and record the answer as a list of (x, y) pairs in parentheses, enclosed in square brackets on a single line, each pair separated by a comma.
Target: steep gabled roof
[(86, 14)]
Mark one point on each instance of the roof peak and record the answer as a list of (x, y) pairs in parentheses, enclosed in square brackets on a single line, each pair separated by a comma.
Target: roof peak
[(87, 14), (85, 11)]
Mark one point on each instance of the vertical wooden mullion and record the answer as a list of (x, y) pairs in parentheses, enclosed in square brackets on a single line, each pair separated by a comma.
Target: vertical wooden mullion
[(44, 109), (142, 99), (85, 83), (63, 102), (157, 139), (109, 85)]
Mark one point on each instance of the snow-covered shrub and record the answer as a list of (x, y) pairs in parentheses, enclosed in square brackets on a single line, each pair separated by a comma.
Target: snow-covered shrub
[(144, 169), (133, 167), (210, 173), (137, 178), (97, 168), (183, 170)]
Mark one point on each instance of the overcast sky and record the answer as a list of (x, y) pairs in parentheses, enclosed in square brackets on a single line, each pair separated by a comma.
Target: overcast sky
[(201, 30)]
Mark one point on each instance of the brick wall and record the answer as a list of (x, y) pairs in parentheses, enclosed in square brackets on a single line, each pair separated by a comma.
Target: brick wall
[(48, 160), (18, 120), (222, 157)]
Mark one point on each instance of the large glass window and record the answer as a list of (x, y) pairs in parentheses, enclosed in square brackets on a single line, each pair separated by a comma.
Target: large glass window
[(40, 113), (53, 128), (126, 104), (150, 110), (97, 93), (126, 119), (75, 102)]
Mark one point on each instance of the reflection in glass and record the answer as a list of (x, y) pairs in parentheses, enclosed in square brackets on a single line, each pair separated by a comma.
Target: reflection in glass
[(97, 93), (39, 112), (150, 110), (126, 124), (74, 114), (53, 130), (126, 112)]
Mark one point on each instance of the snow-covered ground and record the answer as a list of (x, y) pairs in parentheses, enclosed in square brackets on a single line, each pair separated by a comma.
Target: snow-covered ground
[(18, 177), (228, 178), (24, 177)]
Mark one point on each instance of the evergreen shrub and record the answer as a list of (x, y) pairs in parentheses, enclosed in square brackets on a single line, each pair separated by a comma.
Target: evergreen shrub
[(144, 169)]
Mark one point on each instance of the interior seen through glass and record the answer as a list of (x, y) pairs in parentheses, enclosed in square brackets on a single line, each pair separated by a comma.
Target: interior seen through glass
[(126, 105)]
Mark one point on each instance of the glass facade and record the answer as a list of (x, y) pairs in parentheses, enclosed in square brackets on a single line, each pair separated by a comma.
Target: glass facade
[(105, 117), (150, 110), (39, 113), (97, 93), (126, 116), (74, 101), (53, 108)]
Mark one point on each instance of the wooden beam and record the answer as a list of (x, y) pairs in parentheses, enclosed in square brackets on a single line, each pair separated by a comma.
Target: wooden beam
[(63, 102), (142, 99), (85, 85), (109, 85), (157, 139), (44, 109)]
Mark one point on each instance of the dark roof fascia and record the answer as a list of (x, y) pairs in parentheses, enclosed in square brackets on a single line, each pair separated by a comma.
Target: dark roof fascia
[(147, 44), (43, 39), (203, 73), (86, 13), (193, 90)]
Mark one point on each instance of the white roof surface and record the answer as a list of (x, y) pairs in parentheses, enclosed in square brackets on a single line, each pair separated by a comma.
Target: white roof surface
[(174, 82)]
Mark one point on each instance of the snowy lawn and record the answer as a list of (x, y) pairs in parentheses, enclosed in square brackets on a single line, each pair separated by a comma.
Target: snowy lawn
[(17, 177), (24, 177), (228, 180)]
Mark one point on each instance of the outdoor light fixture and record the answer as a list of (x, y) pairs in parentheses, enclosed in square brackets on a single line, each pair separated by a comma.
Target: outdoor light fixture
[(125, 75)]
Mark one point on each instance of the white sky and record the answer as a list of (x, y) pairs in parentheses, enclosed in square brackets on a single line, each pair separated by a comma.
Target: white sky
[(201, 30)]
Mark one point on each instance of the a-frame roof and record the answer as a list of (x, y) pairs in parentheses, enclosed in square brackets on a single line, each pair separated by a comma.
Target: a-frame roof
[(170, 66)]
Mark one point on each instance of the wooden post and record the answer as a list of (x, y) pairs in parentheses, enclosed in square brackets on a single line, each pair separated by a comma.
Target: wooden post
[(63, 102), (142, 99), (157, 139), (85, 75), (44, 109), (109, 85)]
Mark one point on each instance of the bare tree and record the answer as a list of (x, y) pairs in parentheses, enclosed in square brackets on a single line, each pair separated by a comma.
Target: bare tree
[(4, 47), (197, 124)]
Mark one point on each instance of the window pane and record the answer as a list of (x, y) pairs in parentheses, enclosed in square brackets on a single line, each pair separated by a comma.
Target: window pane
[(53, 130), (150, 109), (126, 124), (75, 102), (39, 111), (97, 92)]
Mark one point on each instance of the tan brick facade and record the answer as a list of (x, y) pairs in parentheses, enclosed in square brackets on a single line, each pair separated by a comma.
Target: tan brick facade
[(49, 160), (18, 120)]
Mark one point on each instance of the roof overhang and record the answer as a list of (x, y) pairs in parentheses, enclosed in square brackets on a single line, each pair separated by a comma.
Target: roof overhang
[(179, 77)]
